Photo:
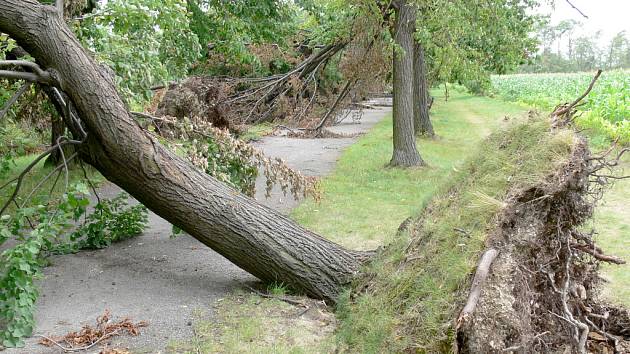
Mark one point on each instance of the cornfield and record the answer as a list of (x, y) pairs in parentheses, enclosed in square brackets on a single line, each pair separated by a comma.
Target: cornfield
[(605, 112)]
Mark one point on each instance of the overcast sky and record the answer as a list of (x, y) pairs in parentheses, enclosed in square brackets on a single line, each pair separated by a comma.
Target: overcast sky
[(609, 16)]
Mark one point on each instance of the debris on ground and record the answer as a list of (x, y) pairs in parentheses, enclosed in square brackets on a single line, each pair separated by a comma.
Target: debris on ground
[(90, 336)]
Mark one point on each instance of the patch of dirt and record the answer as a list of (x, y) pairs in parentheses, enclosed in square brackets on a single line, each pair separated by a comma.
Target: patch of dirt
[(277, 324)]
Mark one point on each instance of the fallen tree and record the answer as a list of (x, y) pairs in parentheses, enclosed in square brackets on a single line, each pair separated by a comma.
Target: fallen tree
[(254, 237), (536, 221)]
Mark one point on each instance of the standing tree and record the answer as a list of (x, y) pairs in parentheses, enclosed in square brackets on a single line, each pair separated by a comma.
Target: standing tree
[(421, 120), (405, 150)]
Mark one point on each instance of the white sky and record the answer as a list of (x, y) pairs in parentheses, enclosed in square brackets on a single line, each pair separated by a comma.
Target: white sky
[(609, 16)]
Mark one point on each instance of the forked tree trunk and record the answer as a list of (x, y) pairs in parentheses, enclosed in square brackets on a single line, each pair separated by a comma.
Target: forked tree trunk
[(421, 119), (405, 150), (254, 237)]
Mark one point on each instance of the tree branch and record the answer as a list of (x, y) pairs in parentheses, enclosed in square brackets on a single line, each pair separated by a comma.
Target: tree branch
[(597, 253), (24, 63), (14, 99), (578, 10), (59, 6), (483, 269), (20, 177), (18, 75)]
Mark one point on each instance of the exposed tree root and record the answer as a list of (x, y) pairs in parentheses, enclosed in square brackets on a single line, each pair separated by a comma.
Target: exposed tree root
[(542, 291)]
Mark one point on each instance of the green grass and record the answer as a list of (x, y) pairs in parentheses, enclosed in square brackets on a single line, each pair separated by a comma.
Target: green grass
[(364, 202), (612, 222), (255, 132)]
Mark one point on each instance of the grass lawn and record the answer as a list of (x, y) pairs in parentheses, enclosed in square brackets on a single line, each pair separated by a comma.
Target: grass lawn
[(612, 222), (364, 202)]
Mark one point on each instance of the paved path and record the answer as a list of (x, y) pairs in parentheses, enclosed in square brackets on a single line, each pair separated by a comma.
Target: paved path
[(161, 280)]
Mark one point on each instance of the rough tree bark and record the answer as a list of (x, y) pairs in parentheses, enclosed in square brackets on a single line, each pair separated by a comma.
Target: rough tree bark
[(405, 150), (421, 119), (254, 237)]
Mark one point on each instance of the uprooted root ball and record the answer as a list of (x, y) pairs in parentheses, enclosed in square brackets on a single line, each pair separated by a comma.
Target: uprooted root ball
[(541, 295)]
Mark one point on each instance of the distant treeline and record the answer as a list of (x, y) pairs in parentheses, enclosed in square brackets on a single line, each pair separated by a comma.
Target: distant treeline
[(562, 51)]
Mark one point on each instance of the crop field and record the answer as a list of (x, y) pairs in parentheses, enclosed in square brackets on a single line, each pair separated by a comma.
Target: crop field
[(606, 111)]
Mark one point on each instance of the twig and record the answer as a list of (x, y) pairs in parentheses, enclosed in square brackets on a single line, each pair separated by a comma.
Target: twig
[(103, 337), (578, 10), (597, 253), (89, 181), (588, 90), (14, 98), (43, 180), (462, 231), (28, 168), (281, 298), (344, 92)]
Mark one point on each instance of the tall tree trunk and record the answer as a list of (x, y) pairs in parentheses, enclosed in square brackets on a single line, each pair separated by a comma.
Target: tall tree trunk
[(421, 119), (405, 151), (254, 237)]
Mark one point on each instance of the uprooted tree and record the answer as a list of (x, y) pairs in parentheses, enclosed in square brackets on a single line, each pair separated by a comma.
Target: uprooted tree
[(256, 238)]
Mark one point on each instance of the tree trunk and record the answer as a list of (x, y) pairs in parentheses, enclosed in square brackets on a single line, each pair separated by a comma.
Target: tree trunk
[(254, 237), (57, 130), (421, 120), (405, 151)]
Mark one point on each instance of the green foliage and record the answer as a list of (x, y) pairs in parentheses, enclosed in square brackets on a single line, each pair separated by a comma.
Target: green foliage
[(112, 220), (466, 41), (227, 29), (38, 230), (232, 168), (606, 109), (145, 42)]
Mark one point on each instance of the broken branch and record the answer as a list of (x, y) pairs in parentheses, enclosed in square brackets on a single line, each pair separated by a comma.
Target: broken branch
[(483, 269), (14, 99)]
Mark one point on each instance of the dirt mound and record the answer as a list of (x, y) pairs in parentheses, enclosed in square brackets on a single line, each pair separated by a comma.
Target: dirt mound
[(202, 97)]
